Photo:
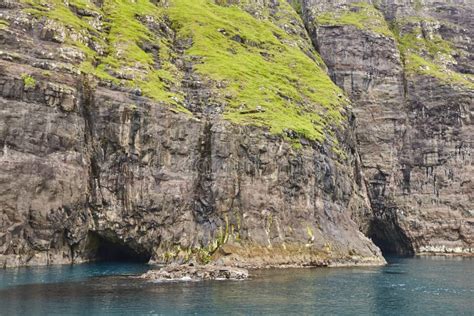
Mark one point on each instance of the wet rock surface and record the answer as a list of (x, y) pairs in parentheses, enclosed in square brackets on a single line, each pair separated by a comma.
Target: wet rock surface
[(195, 273)]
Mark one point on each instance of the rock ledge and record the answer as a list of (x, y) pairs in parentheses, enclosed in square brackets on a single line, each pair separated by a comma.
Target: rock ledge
[(195, 273)]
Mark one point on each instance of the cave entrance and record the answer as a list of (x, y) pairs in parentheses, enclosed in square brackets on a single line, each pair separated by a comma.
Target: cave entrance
[(390, 239), (106, 249)]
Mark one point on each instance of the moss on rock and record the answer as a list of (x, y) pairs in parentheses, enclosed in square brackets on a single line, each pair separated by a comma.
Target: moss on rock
[(429, 54), (258, 70), (361, 15), (28, 81), (3, 24)]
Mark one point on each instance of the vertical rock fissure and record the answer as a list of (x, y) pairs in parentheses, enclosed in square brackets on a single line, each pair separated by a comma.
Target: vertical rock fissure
[(204, 197), (86, 102)]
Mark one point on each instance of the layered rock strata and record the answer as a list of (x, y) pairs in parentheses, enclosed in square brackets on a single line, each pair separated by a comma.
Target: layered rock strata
[(95, 166), (407, 66)]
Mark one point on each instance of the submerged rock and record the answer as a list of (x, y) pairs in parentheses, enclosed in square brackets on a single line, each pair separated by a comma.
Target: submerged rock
[(196, 273)]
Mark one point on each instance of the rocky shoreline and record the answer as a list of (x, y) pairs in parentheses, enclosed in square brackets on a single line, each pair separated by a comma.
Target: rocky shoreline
[(220, 271), (193, 272)]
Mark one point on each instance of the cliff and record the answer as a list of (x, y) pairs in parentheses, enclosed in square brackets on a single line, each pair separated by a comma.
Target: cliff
[(144, 130), (253, 133), (408, 68)]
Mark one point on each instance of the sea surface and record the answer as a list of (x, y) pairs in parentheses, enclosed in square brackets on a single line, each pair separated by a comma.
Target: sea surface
[(406, 286)]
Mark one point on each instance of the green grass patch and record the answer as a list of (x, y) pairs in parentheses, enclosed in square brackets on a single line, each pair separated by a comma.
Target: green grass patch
[(430, 57), (125, 35), (28, 81), (361, 15), (253, 66), (58, 11), (259, 68)]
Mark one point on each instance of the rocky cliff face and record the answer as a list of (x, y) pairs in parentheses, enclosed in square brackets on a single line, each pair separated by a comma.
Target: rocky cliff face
[(211, 130), (407, 66), (128, 148)]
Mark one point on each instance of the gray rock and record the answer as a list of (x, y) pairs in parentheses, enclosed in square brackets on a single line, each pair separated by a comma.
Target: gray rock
[(195, 273)]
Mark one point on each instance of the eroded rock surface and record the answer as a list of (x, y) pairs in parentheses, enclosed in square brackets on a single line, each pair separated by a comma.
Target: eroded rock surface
[(407, 66), (92, 169), (155, 147)]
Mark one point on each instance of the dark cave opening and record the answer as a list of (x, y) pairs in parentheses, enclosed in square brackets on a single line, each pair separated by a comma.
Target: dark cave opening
[(384, 228), (390, 239), (103, 249)]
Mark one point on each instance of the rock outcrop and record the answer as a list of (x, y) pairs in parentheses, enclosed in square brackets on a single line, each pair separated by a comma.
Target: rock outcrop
[(195, 273), (407, 66), (95, 165)]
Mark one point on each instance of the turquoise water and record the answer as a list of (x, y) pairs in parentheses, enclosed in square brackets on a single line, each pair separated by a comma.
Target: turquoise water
[(407, 286)]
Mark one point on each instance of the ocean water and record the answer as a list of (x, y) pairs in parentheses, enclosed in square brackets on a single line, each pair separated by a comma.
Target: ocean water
[(407, 286)]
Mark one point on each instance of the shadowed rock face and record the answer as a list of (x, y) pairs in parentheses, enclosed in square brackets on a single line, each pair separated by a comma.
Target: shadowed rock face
[(414, 124), (93, 171), (165, 184)]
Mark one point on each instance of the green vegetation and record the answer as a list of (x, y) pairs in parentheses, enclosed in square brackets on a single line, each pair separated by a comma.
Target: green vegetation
[(3, 24), (255, 68), (123, 43), (362, 15), (126, 38), (430, 56), (310, 233), (296, 4), (58, 11), (28, 81), (201, 254), (259, 69)]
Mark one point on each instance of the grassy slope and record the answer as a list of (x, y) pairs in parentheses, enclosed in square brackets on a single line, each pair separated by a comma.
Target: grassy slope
[(265, 70), (265, 78), (121, 35), (425, 56), (361, 15), (429, 56)]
